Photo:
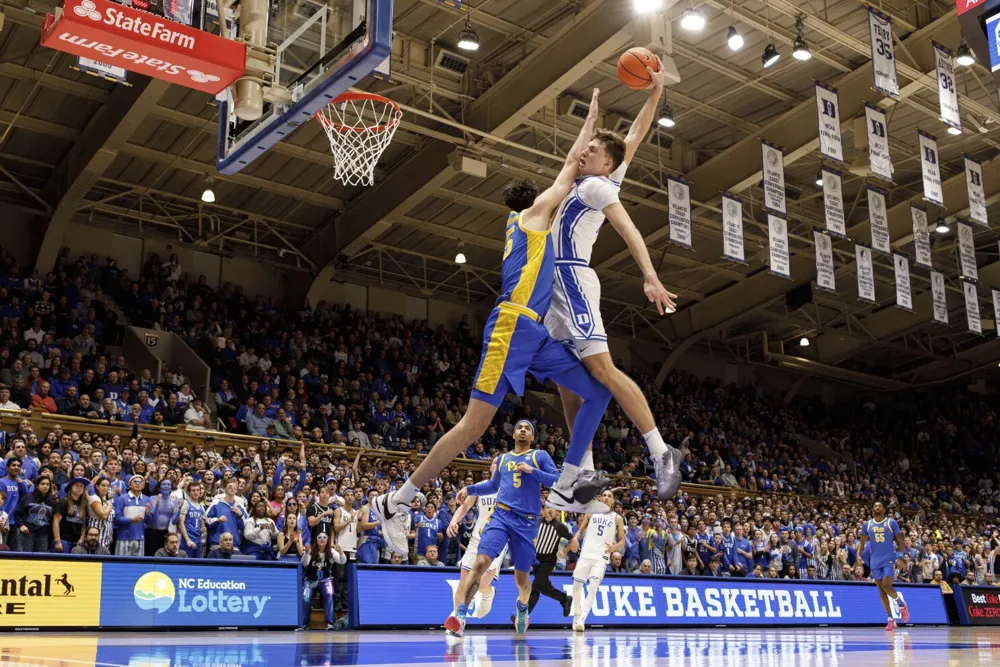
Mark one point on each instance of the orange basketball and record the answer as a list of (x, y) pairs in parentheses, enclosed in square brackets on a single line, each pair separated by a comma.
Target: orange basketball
[(632, 67)]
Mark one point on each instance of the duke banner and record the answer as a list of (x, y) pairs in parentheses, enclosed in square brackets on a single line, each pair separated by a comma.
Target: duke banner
[(732, 228), (904, 298), (825, 275), (878, 143), (883, 59), (939, 297), (833, 203), (878, 220), (773, 168), (972, 318), (947, 95), (828, 113), (921, 237), (967, 252), (680, 212), (930, 168), (977, 193), (777, 234), (866, 273)]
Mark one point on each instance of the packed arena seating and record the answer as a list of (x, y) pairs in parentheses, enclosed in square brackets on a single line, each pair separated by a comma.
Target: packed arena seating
[(315, 408)]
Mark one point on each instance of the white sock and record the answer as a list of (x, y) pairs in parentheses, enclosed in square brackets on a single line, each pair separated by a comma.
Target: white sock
[(588, 604), (587, 463), (405, 494), (569, 473), (655, 443), (577, 599)]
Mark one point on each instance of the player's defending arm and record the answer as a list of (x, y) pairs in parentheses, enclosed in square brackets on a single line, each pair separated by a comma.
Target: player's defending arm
[(640, 127), (487, 488), (654, 289)]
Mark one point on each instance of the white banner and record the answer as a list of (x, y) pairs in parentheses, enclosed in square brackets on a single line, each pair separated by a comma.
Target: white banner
[(878, 219), (977, 193), (947, 95), (878, 143), (996, 311), (828, 113), (774, 177), (680, 212), (967, 252), (904, 298), (833, 203), (939, 297), (930, 168), (777, 233), (732, 228), (972, 318), (825, 275), (883, 59), (866, 273), (921, 237)]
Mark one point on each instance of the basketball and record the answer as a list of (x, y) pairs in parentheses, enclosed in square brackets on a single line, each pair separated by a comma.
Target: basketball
[(632, 67)]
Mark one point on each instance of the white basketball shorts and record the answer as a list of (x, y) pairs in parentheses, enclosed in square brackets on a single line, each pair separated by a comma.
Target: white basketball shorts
[(574, 317), (469, 558), (589, 568)]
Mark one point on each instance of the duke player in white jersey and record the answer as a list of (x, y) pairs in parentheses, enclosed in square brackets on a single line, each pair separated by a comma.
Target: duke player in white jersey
[(575, 315), (602, 534), (486, 593)]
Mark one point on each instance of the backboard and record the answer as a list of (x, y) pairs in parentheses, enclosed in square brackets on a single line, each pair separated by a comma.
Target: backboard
[(314, 51)]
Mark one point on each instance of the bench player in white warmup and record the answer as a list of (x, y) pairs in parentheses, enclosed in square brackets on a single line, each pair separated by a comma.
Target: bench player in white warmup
[(603, 534), (486, 591), (575, 315)]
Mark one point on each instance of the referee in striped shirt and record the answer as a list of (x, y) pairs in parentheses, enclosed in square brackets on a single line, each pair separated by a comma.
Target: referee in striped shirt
[(550, 531)]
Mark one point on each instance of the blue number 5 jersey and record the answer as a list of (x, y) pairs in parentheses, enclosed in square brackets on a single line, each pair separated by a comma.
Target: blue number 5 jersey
[(520, 491)]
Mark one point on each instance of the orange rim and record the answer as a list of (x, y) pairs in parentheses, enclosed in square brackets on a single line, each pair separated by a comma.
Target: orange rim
[(351, 96)]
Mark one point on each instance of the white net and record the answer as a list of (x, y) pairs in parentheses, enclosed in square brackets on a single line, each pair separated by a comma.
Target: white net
[(359, 127)]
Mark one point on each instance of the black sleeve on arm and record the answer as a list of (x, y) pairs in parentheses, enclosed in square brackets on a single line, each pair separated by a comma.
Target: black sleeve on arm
[(563, 531)]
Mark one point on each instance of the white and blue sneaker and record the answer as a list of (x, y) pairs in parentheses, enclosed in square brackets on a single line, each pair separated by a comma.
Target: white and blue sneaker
[(392, 517)]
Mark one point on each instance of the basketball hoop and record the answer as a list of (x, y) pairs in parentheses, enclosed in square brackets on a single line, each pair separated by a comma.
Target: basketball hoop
[(359, 127)]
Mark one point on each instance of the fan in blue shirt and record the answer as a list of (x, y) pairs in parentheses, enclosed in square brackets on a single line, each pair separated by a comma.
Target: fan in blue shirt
[(428, 529)]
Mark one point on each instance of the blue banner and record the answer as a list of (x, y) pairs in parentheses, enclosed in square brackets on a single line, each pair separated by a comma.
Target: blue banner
[(636, 600), (157, 594)]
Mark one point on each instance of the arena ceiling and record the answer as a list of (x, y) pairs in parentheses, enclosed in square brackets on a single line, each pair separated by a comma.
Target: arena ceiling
[(135, 159)]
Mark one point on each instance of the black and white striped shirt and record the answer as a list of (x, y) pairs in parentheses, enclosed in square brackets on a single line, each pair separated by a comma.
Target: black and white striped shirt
[(549, 534)]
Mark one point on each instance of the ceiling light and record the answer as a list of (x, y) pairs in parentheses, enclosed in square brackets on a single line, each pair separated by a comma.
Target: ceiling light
[(692, 20), (666, 118), (942, 227), (964, 55), (460, 258), (646, 6), (803, 342), (208, 196), (819, 177), (954, 131), (770, 56), (468, 40), (734, 38), (800, 51)]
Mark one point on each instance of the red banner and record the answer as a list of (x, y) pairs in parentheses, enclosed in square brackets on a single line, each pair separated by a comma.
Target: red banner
[(962, 6), (145, 44)]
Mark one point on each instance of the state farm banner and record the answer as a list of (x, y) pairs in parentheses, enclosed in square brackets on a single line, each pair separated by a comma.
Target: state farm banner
[(904, 297), (921, 237), (947, 95), (878, 219), (732, 228), (939, 297), (967, 252), (825, 275), (972, 318), (977, 193), (777, 234), (883, 58), (878, 143), (866, 273), (774, 177), (930, 168), (828, 113), (120, 36), (680, 212), (833, 203)]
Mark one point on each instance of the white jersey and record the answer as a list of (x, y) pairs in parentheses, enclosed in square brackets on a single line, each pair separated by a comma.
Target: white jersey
[(484, 507), (581, 215), (602, 530), (347, 538)]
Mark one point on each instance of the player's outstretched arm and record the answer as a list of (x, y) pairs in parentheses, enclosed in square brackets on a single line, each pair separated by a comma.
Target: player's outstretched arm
[(654, 289), (640, 126)]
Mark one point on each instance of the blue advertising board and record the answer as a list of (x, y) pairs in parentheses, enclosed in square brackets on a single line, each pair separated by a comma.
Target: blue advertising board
[(636, 600), (992, 27)]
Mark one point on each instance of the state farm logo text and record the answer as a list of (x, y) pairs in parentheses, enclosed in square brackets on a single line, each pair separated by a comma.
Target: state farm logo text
[(110, 52), (139, 25)]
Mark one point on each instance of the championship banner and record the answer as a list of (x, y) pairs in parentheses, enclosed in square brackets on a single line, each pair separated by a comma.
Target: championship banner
[(967, 252), (833, 203), (732, 228), (996, 310), (866, 273), (904, 297), (774, 177), (878, 220), (939, 297), (777, 234), (977, 193), (825, 275), (828, 113), (883, 58), (972, 319), (930, 168), (921, 237), (947, 95), (878, 143), (680, 212)]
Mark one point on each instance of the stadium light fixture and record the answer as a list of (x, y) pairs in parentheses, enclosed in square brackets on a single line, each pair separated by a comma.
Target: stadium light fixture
[(800, 50), (647, 6), (942, 227), (666, 118), (734, 39), (803, 342), (460, 258), (468, 40), (692, 20), (954, 131), (770, 56), (208, 196), (964, 56)]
